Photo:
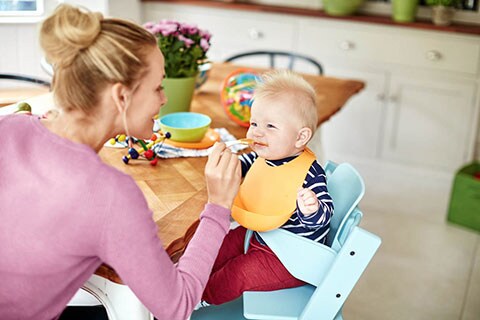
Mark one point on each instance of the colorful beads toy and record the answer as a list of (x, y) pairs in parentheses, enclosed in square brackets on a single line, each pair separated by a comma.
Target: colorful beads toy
[(146, 148), (120, 139)]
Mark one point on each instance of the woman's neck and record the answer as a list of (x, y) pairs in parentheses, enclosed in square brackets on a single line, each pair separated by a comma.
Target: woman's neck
[(80, 128)]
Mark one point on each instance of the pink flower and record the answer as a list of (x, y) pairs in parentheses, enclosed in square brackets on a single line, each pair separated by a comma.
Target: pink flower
[(190, 29), (204, 44), (148, 25), (168, 29), (205, 35), (170, 22), (183, 44), (188, 42)]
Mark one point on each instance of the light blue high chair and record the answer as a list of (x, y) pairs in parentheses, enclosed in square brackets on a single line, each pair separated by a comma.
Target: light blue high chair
[(330, 271)]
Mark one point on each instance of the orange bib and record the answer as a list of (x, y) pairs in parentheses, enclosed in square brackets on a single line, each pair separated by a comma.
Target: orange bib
[(267, 196)]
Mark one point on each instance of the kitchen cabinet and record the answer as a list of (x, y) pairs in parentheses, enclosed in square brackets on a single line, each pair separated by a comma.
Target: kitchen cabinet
[(429, 123), (356, 129), (419, 107)]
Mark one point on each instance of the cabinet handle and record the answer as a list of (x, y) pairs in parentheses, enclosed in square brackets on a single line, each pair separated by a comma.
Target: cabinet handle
[(255, 34), (346, 45), (433, 55), (381, 96)]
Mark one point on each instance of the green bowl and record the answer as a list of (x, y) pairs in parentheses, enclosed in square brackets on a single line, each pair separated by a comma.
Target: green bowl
[(185, 126), (341, 7)]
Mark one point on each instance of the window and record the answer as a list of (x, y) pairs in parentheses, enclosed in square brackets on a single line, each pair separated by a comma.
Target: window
[(21, 7)]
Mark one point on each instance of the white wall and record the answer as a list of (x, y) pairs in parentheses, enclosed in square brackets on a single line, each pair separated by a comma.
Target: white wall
[(20, 49), (126, 9)]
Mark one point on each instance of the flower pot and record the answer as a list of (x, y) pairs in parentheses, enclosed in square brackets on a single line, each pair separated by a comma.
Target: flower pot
[(442, 16), (179, 92), (341, 7), (404, 10)]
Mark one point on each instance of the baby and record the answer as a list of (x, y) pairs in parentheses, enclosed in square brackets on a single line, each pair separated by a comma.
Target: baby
[(284, 187)]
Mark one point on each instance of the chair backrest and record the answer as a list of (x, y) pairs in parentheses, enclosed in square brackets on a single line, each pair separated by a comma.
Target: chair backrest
[(329, 167), (346, 188), (19, 77), (273, 57)]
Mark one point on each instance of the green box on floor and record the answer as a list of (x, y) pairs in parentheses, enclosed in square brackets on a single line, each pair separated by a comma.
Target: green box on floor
[(465, 199)]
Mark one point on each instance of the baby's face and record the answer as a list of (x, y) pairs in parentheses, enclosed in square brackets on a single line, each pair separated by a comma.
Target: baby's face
[(274, 127)]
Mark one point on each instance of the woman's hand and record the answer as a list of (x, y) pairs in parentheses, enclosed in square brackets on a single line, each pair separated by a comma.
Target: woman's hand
[(307, 201), (223, 174)]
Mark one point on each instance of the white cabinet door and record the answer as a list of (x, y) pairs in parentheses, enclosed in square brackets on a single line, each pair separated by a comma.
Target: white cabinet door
[(429, 123), (356, 129)]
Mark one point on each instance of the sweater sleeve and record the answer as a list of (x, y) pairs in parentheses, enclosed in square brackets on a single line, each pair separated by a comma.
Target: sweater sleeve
[(131, 246)]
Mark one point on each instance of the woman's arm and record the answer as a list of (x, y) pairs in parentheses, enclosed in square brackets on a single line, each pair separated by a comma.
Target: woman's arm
[(131, 246)]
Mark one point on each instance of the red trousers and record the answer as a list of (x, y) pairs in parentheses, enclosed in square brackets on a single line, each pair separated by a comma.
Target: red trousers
[(235, 272)]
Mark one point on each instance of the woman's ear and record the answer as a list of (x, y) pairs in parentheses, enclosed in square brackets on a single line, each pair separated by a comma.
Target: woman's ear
[(120, 96), (304, 135)]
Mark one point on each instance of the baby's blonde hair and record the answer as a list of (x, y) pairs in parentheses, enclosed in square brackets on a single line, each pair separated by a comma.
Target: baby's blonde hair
[(279, 82), (89, 52)]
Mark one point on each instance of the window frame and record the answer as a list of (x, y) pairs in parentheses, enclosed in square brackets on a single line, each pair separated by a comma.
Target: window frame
[(40, 5)]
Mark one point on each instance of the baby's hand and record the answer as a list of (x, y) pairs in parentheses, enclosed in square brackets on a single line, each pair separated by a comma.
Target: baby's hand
[(307, 201)]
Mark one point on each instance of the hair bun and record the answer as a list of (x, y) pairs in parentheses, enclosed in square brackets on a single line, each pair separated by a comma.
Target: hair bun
[(68, 31)]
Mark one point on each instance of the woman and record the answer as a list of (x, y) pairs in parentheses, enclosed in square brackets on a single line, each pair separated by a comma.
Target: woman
[(64, 212)]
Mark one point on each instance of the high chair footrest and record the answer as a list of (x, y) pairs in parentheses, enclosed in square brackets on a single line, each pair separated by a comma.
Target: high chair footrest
[(280, 304)]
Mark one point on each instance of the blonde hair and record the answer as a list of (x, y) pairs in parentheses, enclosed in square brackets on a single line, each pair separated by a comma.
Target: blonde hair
[(279, 82), (89, 52)]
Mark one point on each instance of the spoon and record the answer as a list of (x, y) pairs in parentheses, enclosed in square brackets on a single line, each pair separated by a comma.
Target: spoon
[(243, 141)]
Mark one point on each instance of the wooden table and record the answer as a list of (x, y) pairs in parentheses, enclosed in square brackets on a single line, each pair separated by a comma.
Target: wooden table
[(175, 188), (12, 95)]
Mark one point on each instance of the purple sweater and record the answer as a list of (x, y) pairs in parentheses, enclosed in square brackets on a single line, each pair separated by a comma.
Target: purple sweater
[(63, 212)]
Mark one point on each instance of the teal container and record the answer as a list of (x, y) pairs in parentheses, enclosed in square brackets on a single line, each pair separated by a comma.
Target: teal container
[(404, 10), (465, 199), (185, 126), (179, 92)]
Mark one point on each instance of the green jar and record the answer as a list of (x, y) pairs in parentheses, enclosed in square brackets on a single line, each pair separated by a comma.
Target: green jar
[(404, 10)]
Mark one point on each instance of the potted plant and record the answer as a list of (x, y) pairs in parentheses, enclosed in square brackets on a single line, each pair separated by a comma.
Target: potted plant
[(184, 47), (442, 11)]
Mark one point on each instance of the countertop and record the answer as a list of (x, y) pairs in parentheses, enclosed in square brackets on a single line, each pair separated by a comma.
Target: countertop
[(425, 24)]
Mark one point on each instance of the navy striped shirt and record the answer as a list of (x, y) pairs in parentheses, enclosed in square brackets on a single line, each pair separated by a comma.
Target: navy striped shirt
[(316, 225)]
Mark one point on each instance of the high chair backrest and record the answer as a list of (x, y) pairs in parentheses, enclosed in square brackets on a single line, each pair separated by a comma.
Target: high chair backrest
[(346, 188)]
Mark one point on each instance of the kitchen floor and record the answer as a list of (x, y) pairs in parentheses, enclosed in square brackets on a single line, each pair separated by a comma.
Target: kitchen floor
[(425, 269)]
